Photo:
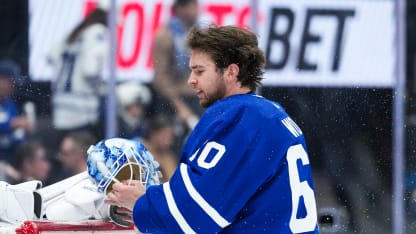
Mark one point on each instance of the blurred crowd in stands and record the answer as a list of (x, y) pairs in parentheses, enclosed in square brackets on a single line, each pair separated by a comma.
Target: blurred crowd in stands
[(53, 147)]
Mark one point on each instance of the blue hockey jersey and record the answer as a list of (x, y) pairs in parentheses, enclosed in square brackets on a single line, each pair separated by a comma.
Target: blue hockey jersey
[(244, 169)]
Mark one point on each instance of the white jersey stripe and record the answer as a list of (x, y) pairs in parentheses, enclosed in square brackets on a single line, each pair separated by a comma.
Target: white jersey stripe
[(291, 126), (222, 222), (175, 211)]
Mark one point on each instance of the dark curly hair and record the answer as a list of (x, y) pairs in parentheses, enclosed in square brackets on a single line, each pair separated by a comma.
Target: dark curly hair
[(231, 44)]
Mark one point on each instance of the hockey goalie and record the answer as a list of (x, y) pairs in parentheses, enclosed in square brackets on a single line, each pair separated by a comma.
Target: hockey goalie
[(81, 197)]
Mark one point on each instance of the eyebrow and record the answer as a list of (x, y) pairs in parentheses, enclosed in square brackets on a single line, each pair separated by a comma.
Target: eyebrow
[(196, 66)]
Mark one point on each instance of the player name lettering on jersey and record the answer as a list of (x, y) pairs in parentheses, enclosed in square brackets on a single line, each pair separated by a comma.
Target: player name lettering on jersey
[(292, 127)]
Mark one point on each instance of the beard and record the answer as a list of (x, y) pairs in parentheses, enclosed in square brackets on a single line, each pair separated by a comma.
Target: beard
[(212, 98)]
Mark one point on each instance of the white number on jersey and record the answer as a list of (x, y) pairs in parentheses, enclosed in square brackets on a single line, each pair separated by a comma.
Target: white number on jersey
[(202, 159), (300, 189)]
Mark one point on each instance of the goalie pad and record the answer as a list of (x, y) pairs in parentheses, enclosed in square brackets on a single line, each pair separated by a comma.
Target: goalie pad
[(80, 202), (54, 190), (73, 199), (17, 201)]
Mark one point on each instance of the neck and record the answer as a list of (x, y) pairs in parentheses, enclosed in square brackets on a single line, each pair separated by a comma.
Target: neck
[(235, 90)]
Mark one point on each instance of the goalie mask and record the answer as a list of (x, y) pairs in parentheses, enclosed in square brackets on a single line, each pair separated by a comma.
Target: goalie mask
[(119, 159)]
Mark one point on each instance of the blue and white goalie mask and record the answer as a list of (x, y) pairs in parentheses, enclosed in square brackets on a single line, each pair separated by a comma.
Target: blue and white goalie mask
[(118, 159)]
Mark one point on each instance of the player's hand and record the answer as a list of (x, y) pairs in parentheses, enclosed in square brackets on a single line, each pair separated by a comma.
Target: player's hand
[(125, 194)]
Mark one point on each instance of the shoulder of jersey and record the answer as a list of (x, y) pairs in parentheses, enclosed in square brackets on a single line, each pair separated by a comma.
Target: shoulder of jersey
[(253, 106), (251, 102)]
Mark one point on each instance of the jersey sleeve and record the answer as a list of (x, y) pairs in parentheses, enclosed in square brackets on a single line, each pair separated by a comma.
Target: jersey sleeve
[(225, 163)]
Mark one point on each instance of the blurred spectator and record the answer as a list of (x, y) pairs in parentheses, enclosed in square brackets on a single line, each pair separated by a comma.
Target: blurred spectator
[(32, 161), (159, 138), (8, 173), (14, 126), (73, 151), (170, 59), (133, 99), (79, 62)]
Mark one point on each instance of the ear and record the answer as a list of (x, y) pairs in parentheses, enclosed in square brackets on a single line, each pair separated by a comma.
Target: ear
[(232, 72)]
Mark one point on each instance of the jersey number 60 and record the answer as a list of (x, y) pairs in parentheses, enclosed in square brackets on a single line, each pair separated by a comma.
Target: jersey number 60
[(300, 189)]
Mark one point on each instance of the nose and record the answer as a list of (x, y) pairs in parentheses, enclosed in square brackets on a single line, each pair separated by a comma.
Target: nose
[(191, 80)]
